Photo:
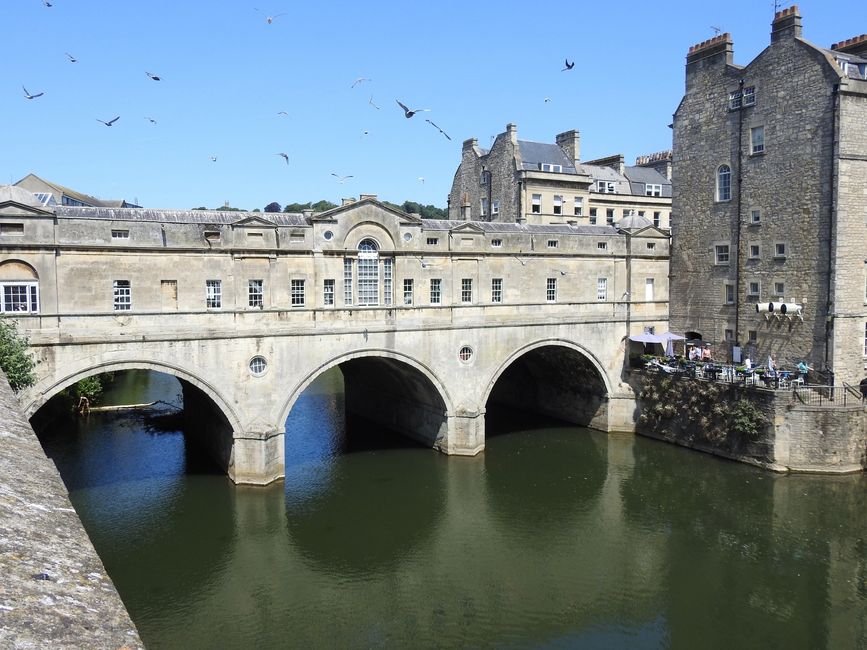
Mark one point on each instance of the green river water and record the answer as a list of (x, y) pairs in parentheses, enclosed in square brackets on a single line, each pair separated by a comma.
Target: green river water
[(554, 537)]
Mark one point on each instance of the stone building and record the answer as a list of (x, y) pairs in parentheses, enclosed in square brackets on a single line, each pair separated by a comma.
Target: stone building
[(51, 194), (769, 205), (518, 181)]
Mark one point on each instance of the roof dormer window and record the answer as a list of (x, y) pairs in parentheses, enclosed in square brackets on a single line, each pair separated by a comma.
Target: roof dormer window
[(550, 167), (606, 187)]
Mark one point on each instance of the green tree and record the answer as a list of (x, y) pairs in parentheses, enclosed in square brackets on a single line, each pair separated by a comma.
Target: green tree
[(272, 207), (15, 359)]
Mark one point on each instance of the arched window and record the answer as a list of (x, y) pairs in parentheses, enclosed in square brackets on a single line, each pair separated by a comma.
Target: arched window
[(368, 273), (19, 288), (724, 183)]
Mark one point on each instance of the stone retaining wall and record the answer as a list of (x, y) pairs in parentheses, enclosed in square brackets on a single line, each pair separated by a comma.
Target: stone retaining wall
[(54, 591)]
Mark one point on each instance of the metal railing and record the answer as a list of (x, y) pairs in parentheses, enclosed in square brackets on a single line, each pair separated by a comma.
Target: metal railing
[(813, 395)]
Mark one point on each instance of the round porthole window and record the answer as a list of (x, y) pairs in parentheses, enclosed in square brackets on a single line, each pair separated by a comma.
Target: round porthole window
[(328, 235), (465, 354), (407, 236), (258, 366)]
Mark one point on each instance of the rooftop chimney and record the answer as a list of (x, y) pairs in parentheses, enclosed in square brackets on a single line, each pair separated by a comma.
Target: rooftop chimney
[(570, 142), (856, 45), (471, 143), (512, 130), (712, 48), (787, 24)]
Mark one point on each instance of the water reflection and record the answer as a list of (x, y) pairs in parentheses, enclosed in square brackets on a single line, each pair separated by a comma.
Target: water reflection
[(555, 537)]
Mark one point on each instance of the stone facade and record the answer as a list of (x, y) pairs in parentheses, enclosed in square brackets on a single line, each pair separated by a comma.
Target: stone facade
[(518, 181), (424, 317), (769, 174)]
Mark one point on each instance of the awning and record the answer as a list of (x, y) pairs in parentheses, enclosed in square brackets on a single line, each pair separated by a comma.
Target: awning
[(662, 339)]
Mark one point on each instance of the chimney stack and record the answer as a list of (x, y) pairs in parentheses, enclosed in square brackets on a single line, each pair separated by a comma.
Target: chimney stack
[(570, 142), (512, 131), (787, 24), (856, 45)]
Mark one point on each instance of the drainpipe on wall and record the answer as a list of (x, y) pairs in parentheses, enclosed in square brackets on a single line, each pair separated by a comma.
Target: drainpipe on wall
[(737, 246), (835, 143)]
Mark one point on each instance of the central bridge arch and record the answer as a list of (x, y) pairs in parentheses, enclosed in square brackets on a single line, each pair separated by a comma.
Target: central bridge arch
[(390, 388), (554, 377)]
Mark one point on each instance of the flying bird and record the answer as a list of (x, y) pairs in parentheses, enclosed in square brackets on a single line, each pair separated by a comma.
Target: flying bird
[(72, 59), (438, 129), (420, 179), (151, 120), (283, 113), (29, 96), (409, 113), (152, 76), (364, 133), (370, 101), (548, 99), (110, 122), (285, 156), (271, 19), (213, 159), (360, 80), (47, 4), (569, 66), (341, 179)]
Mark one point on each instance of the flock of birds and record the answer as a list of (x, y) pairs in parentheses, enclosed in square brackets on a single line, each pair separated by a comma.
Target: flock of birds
[(269, 19)]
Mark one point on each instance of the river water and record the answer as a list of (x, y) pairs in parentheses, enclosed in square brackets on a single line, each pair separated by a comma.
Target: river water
[(554, 537)]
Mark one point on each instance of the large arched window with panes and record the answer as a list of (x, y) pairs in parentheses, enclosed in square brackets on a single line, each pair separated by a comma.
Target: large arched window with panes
[(724, 183), (19, 288), (374, 276)]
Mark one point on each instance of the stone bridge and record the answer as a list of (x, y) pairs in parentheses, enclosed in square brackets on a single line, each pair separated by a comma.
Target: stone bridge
[(245, 319)]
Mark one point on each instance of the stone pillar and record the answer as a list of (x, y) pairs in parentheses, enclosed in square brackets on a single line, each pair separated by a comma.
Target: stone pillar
[(466, 434), (257, 458), (621, 412)]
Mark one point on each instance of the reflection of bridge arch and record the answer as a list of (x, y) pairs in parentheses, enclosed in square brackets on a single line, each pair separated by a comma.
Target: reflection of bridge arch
[(43, 390), (575, 382), (435, 384)]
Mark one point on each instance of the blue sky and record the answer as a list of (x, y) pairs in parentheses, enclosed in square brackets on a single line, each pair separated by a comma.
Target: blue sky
[(226, 74)]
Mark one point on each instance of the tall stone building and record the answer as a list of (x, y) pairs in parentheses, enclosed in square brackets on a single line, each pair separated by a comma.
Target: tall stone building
[(770, 201), (519, 181)]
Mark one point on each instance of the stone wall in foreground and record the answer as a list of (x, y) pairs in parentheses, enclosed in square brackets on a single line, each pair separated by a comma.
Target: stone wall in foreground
[(54, 591)]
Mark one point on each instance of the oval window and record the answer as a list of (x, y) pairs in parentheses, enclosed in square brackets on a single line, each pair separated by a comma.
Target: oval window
[(328, 235), (258, 365), (465, 354)]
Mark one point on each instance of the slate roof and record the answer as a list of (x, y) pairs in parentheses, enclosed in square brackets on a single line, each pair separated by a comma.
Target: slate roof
[(854, 67), (524, 228), (218, 217), (638, 177), (533, 153)]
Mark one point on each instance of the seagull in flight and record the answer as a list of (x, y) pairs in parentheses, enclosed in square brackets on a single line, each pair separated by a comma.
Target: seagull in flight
[(271, 19), (151, 120), (409, 113), (72, 59), (110, 122), (438, 129), (29, 96), (420, 179), (360, 80), (283, 113), (569, 66), (370, 101), (285, 156), (341, 179), (548, 99), (213, 159), (47, 4), (152, 76)]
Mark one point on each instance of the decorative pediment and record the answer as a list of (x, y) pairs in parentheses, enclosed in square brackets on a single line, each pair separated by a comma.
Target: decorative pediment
[(253, 222), (18, 202), (367, 209), (468, 228)]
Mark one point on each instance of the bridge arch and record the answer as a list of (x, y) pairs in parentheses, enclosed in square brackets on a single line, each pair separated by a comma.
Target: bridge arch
[(576, 383), (44, 390), (423, 404)]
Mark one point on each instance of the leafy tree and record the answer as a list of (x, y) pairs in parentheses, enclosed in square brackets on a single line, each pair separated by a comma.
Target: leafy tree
[(319, 206), (15, 359), (272, 207), (228, 208), (201, 207)]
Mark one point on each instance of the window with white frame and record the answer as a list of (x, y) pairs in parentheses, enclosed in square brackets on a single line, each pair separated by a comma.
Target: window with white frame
[(749, 96), (549, 167), (724, 183), (551, 290), (496, 243), (755, 251), (19, 297), (536, 204), (553, 243), (407, 291), (436, 293), (496, 289), (387, 280), (755, 216), (122, 295), (328, 291), (779, 289), (256, 293), (729, 293), (347, 281), (653, 189), (558, 204), (609, 216), (606, 187), (432, 241), (735, 97), (721, 252), (466, 290), (484, 207), (213, 294), (593, 216), (601, 245), (780, 250), (296, 292), (601, 288), (117, 234), (368, 273), (754, 288), (495, 207), (578, 210), (657, 218), (757, 139)]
